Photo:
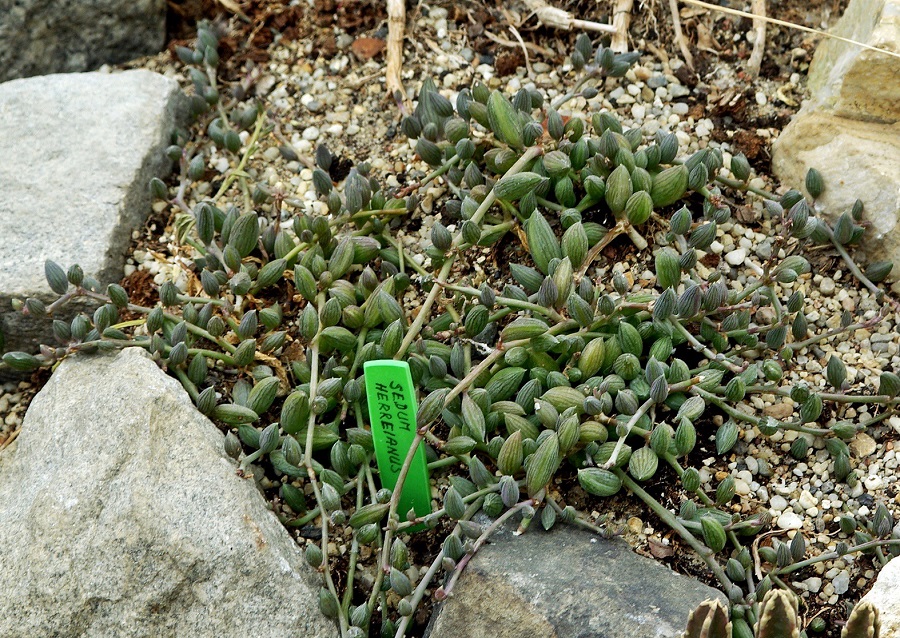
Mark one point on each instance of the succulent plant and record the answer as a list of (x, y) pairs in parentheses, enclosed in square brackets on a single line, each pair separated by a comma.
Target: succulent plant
[(863, 622), (553, 370), (777, 619), (778, 616), (709, 620)]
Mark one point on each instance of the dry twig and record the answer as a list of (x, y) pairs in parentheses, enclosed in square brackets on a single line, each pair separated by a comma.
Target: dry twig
[(621, 21), (559, 19), (679, 35), (509, 43), (790, 25), (235, 8), (396, 10), (515, 32), (8, 440), (759, 44)]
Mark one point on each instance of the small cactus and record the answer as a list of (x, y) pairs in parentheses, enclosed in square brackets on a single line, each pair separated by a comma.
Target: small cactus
[(863, 622), (709, 620), (778, 616)]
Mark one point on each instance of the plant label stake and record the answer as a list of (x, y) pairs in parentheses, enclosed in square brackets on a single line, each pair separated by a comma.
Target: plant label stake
[(392, 412)]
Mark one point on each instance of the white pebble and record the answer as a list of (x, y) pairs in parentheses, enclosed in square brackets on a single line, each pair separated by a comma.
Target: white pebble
[(841, 582), (789, 520), (813, 584), (311, 133), (736, 257), (873, 482), (807, 500), (778, 503), (741, 487)]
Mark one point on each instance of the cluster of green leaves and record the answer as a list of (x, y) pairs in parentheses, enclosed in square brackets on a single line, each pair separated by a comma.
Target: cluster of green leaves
[(517, 380)]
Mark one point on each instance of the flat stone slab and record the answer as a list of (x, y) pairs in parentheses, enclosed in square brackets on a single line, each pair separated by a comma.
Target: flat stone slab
[(79, 151), (566, 583), (122, 517), (64, 36)]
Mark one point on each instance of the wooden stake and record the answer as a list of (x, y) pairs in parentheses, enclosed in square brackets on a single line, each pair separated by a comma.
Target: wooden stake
[(621, 21), (396, 10), (679, 35), (759, 44)]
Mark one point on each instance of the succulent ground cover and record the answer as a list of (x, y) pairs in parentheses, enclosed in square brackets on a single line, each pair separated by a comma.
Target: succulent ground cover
[(556, 378)]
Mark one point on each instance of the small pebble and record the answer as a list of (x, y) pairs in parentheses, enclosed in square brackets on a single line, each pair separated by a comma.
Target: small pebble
[(873, 482), (736, 257), (790, 520), (807, 500), (841, 582), (863, 445), (813, 584)]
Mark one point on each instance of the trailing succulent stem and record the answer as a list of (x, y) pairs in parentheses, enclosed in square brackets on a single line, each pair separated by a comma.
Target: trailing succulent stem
[(549, 370)]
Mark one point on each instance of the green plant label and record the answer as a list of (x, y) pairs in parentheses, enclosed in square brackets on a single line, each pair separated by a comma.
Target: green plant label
[(392, 412)]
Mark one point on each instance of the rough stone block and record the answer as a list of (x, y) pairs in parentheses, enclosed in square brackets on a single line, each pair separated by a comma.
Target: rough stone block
[(883, 596), (849, 129), (122, 517), (857, 159), (566, 583), (79, 151), (65, 36), (860, 83)]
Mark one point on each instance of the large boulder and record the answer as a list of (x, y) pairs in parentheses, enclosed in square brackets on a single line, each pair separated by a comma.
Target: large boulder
[(566, 583), (854, 82), (78, 153), (63, 36), (849, 130), (121, 516), (883, 596)]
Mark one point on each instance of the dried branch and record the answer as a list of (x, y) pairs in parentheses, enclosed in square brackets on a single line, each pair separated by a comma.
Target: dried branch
[(621, 22), (759, 44), (559, 19), (679, 35), (396, 10)]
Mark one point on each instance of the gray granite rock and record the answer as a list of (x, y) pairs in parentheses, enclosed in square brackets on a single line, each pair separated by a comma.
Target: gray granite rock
[(78, 153), (566, 583), (121, 516), (848, 129), (64, 36)]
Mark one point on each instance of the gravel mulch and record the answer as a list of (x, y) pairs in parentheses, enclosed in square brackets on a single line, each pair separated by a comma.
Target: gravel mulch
[(319, 71)]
